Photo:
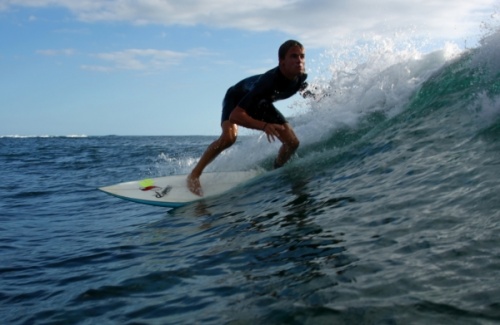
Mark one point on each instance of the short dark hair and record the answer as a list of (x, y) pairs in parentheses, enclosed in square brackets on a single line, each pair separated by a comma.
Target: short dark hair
[(283, 50)]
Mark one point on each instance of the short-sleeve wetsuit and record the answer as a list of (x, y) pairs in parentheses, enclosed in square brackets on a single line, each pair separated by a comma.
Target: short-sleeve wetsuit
[(256, 95)]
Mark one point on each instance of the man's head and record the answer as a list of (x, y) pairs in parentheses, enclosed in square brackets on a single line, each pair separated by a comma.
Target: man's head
[(286, 46), (291, 56)]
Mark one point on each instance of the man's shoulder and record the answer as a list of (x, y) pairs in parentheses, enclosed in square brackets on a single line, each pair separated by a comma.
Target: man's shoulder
[(270, 77)]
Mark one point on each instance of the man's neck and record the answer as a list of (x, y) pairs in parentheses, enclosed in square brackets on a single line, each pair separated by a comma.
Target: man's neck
[(289, 77)]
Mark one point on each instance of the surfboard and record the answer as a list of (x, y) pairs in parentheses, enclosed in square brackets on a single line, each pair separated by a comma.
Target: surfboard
[(172, 192)]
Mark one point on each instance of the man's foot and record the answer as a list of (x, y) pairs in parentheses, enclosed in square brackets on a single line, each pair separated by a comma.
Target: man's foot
[(193, 184)]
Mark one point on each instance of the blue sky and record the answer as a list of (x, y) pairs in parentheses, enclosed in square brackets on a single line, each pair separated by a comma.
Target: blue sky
[(153, 67)]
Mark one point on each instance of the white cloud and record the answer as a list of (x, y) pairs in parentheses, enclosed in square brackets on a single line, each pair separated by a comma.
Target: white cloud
[(65, 52), (318, 21), (137, 59)]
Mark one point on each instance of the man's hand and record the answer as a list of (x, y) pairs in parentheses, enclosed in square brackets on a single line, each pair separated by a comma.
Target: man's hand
[(272, 131)]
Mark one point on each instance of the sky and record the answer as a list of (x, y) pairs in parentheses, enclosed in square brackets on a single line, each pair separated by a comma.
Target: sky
[(162, 67)]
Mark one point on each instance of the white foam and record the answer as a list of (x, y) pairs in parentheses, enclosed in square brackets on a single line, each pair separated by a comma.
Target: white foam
[(376, 77)]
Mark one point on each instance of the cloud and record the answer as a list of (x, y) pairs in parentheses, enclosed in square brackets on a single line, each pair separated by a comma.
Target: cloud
[(319, 21), (137, 59), (64, 52)]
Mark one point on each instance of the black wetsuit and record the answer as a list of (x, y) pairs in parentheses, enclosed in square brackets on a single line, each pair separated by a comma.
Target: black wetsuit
[(256, 95)]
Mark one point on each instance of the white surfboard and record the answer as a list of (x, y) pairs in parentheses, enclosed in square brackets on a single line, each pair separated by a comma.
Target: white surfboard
[(171, 191)]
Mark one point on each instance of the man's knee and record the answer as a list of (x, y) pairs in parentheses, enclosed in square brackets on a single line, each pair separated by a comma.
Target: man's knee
[(227, 140), (228, 136), (294, 143)]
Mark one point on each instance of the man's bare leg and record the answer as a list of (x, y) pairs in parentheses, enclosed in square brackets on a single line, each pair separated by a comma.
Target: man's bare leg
[(227, 138), (290, 143)]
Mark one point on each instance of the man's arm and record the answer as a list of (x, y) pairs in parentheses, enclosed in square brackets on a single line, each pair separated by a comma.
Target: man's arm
[(239, 116)]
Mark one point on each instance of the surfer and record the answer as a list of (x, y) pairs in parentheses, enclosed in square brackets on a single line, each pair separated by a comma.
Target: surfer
[(249, 103)]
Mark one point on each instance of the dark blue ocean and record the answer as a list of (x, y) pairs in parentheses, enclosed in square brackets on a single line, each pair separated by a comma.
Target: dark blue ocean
[(389, 213)]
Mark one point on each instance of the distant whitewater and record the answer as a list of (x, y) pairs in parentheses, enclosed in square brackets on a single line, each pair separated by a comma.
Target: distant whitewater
[(43, 136)]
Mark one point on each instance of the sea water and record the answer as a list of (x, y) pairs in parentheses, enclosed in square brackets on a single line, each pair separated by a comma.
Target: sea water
[(388, 214)]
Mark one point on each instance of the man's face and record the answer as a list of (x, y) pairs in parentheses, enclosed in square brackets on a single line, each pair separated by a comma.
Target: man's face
[(294, 63)]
